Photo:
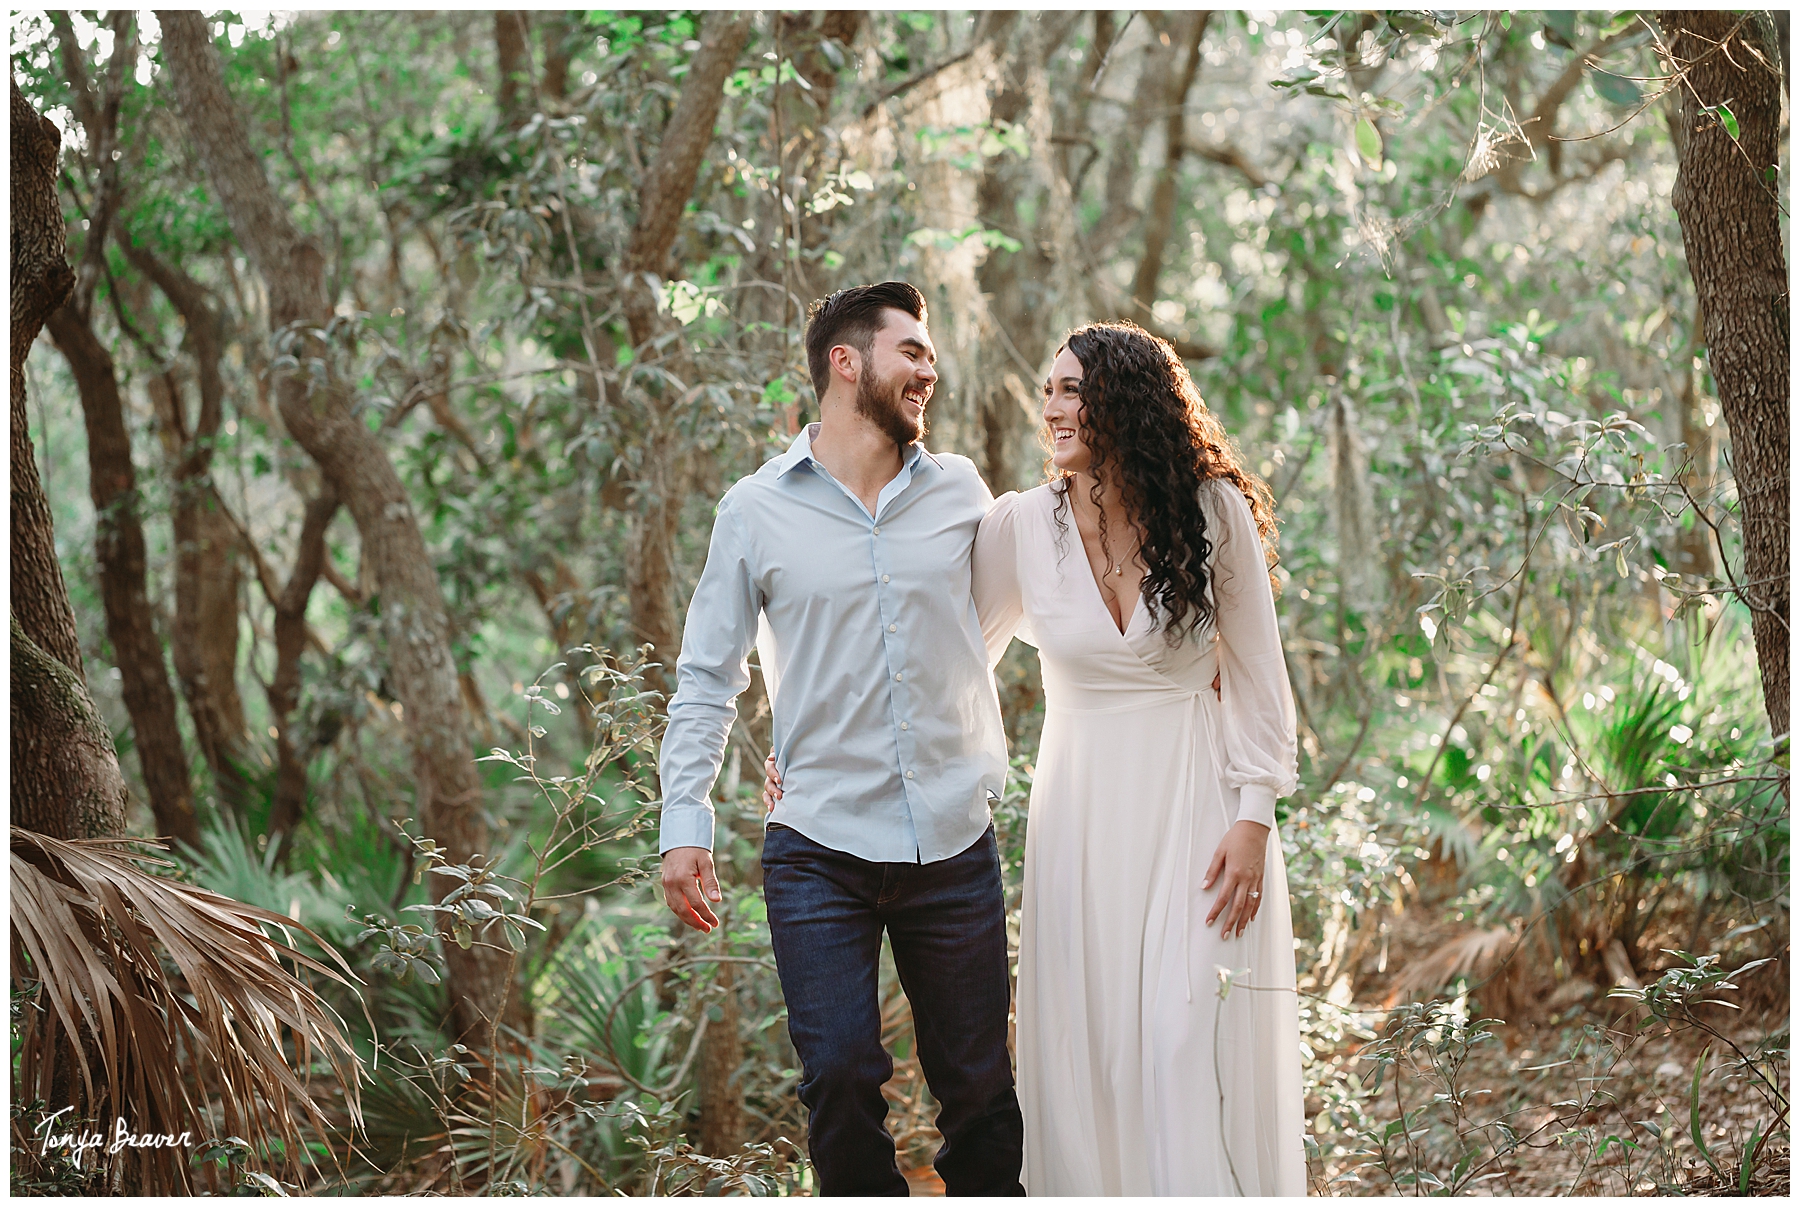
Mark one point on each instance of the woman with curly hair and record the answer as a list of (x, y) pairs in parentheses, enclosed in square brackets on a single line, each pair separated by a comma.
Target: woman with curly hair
[(1158, 1034)]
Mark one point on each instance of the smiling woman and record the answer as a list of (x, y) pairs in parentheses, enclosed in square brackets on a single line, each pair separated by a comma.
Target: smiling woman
[(1168, 735), (1132, 442)]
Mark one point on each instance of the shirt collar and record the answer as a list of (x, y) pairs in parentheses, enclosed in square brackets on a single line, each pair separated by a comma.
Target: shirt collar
[(800, 451)]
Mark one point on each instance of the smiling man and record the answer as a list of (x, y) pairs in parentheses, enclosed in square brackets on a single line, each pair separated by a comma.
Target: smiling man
[(851, 553)]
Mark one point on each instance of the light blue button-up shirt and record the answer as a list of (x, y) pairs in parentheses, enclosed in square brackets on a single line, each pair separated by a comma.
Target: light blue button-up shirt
[(887, 727)]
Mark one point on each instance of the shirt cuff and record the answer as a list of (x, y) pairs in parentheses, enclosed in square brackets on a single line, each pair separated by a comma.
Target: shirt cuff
[(686, 826), (1256, 802)]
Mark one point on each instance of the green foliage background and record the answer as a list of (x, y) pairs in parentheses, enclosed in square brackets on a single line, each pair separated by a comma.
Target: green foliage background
[(1465, 357)]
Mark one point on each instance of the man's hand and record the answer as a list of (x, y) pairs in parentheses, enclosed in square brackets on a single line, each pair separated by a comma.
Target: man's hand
[(1237, 866), (688, 884)]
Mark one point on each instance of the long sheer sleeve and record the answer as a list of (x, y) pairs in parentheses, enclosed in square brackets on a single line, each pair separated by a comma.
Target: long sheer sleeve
[(1256, 701), (998, 600)]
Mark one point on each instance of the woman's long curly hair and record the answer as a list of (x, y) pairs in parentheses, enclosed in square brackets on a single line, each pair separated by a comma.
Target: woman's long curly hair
[(1144, 423)]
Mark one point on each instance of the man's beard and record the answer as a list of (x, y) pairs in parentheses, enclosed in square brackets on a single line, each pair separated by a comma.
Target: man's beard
[(886, 407)]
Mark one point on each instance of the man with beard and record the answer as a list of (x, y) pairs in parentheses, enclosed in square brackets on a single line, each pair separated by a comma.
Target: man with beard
[(850, 553)]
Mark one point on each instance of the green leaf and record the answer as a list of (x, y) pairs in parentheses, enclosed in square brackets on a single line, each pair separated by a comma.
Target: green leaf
[(1616, 89), (1559, 28), (946, 240), (1506, 21), (1729, 120), (1695, 1131), (1368, 141), (1462, 1167), (1747, 1166), (778, 392)]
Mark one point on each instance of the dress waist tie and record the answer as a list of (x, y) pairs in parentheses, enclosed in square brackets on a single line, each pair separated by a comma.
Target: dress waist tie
[(1204, 731)]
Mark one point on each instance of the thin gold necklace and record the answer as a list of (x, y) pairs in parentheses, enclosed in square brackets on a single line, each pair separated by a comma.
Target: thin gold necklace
[(1114, 569)]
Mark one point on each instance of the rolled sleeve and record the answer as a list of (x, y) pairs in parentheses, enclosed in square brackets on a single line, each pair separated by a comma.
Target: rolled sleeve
[(712, 671)]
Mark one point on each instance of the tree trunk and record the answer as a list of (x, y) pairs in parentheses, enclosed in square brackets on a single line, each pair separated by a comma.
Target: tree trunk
[(512, 47), (721, 1130), (119, 548), (557, 46), (1693, 545), (1726, 199), (414, 620), (41, 281), (1022, 287), (290, 642), (65, 775), (1161, 222), (663, 198), (204, 635), (1124, 151), (561, 598)]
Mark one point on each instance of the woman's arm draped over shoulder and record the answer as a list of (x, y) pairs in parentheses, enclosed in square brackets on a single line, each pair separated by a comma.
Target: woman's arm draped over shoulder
[(1256, 701), (998, 600)]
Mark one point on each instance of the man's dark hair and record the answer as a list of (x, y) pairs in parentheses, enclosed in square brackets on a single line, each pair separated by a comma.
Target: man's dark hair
[(853, 316)]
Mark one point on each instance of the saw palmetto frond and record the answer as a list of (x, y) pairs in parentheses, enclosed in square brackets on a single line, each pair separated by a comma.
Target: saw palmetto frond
[(166, 998)]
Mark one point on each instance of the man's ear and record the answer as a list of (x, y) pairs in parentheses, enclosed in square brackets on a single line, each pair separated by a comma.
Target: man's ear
[(845, 361)]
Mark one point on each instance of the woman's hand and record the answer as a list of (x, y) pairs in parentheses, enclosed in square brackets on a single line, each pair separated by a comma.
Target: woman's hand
[(1237, 867), (771, 784)]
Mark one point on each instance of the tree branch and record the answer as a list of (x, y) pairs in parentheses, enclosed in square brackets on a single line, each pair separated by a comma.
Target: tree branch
[(1231, 156), (670, 181), (913, 81)]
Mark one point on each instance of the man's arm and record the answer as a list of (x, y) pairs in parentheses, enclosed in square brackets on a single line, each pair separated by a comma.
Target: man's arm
[(712, 671)]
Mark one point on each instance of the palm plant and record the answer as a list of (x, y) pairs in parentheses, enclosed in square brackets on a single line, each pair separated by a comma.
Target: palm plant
[(147, 1000)]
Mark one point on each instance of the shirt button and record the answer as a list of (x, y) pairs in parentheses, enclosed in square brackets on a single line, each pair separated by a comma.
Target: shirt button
[(909, 775), (878, 530), (884, 578), (893, 628), (904, 725), (898, 676)]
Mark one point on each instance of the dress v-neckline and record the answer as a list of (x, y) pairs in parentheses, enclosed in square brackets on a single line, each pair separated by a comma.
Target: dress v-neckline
[(1100, 597)]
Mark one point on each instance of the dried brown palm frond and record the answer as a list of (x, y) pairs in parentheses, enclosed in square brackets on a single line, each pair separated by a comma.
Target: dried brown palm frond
[(180, 997), (1477, 953)]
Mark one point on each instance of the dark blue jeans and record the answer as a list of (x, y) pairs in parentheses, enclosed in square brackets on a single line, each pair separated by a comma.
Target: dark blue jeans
[(946, 922)]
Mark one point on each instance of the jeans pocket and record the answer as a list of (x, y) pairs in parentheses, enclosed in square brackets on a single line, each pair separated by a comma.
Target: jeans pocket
[(777, 842)]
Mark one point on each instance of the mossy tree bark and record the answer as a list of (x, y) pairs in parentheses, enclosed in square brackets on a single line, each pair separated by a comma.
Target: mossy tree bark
[(204, 634), (65, 774), (1730, 210), (415, 622), (119, 550)]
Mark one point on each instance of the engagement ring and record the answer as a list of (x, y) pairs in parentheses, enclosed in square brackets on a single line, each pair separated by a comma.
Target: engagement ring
[(1253, 896)]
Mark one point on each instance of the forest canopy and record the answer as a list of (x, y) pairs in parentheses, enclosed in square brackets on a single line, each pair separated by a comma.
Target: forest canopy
[(374, 439)]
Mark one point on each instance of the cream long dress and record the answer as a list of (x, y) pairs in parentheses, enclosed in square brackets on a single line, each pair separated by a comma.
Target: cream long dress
[(1135, 1076)]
